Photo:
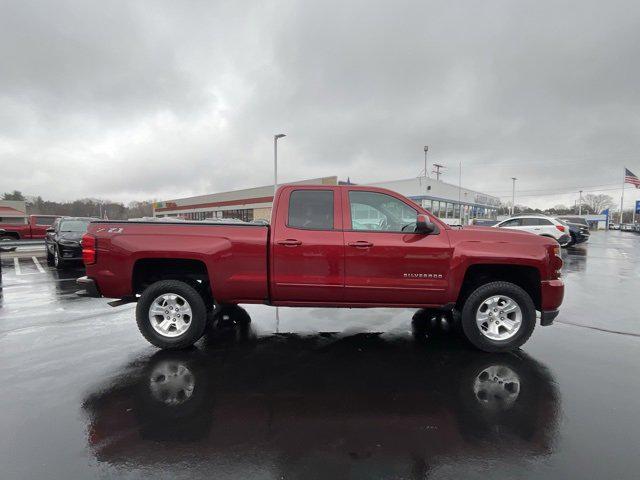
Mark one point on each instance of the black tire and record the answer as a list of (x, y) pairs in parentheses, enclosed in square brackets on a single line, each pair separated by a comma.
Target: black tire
[(49, 257), (197, 322), (7, 238), (479, 295)]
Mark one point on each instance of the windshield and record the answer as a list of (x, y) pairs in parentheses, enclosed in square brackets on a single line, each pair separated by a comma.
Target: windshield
[(74, 225)]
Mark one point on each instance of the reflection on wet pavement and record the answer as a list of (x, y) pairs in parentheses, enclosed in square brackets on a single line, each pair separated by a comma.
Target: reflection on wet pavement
[(304, 404)]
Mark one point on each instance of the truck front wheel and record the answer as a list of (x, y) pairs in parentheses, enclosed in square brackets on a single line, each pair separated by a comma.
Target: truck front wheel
[(498, 317), (171, 314)]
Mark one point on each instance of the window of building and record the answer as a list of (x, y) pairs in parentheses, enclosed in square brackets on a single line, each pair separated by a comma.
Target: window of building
[(380, 212), (449, 210), (244, 214), (12, 220), (312, 209)]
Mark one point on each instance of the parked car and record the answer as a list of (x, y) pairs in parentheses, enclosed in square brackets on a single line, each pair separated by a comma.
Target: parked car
[(34, 229), (614, 226), (539, 225), (627, 227), (579, 233), (63, 238), (318, 252), (574, 219)]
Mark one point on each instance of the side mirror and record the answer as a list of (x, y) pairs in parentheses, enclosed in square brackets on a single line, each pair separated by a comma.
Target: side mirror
[(423, 225), (51, 230)]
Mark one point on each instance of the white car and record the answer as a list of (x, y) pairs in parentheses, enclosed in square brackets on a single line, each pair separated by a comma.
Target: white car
[(540, 225)]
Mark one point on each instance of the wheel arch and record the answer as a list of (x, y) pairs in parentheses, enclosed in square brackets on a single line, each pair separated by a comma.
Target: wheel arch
[(194, 272), (525, 276), (14, 235)]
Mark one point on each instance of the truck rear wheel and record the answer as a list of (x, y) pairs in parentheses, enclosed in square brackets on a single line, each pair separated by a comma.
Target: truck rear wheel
[(498, 317), (171, 314)]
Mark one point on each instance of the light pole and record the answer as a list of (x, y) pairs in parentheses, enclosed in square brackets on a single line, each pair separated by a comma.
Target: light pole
[(580, 205), (513, 196), (275, 161), (426, 149)]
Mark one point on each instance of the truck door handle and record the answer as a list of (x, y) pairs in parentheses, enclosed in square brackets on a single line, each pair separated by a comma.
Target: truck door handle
[(290, 242), (360, 244)]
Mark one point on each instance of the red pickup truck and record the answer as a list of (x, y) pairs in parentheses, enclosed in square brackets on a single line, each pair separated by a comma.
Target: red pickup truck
[(327, 246), (35, 229)]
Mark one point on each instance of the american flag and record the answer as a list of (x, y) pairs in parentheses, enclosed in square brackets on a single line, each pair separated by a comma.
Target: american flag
[(631, 178)]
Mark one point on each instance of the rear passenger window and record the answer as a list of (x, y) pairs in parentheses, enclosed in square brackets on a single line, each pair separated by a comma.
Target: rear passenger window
[(544, 221), (312, 209), (527, 222)]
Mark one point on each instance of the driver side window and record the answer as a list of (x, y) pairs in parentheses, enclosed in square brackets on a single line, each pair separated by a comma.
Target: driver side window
[(374, 211)]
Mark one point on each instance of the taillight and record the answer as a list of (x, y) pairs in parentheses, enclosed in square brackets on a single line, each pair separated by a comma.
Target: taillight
[(88, 249), (560, 227)]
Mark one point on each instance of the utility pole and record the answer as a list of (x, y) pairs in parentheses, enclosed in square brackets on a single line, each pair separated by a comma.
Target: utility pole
[(460, 191), (622, 197), (437, 166), (580, 205), (426, 172), (513, 196), (275, 162)]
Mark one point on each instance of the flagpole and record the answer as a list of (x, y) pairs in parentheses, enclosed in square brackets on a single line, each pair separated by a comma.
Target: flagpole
[(624, 171)]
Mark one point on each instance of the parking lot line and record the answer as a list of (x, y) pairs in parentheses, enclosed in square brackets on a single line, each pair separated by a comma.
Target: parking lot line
[(18, 269), (37, 263), (16, 264)]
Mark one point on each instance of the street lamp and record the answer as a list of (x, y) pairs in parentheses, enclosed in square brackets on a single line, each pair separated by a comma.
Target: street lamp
[(580, 205), (513, 196), (426, 149), (275, 161)]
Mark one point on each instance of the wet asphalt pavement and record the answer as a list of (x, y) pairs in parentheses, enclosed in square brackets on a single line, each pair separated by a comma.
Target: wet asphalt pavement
[(320, 393)]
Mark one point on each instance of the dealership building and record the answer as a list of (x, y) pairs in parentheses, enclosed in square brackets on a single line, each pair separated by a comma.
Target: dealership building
[(13, 211), (448, 202)]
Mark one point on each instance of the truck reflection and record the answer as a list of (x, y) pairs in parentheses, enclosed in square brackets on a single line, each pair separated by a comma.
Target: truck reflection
[(322, 405)]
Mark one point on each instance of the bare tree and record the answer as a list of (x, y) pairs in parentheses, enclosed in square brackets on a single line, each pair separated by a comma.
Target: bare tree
[(597, 203)]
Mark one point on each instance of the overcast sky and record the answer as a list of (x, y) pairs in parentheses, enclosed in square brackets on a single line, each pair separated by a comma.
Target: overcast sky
[(134, 100)]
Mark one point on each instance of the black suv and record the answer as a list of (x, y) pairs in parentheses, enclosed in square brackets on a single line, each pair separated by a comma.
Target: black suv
[(63, 240), (578, 229)]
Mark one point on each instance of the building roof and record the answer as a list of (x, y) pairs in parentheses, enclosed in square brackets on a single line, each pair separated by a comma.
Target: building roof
[(10, 212)]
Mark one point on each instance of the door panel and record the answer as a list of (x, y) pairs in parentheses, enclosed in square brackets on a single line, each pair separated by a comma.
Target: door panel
[(396, 268), (308, 248), (385, 265)]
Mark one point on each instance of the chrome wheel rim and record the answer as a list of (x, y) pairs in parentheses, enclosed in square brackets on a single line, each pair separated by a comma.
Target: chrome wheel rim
[(497, 387), (499, 317), (56, 258), (170, 315), (171, 383)]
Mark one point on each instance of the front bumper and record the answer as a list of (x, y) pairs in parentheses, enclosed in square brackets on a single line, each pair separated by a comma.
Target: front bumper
[(552, 294), (89, 287)]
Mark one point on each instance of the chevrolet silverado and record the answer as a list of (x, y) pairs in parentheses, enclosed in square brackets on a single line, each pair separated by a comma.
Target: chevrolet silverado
[(327, 246)]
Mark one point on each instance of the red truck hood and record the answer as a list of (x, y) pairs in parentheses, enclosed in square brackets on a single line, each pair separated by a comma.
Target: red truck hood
[(473, 232)]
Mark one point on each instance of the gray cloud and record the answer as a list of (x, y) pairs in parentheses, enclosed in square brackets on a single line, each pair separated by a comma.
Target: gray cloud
[(130, 100)]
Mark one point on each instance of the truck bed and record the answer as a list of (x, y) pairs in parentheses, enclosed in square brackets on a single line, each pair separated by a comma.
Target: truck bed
[(234, 255)]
